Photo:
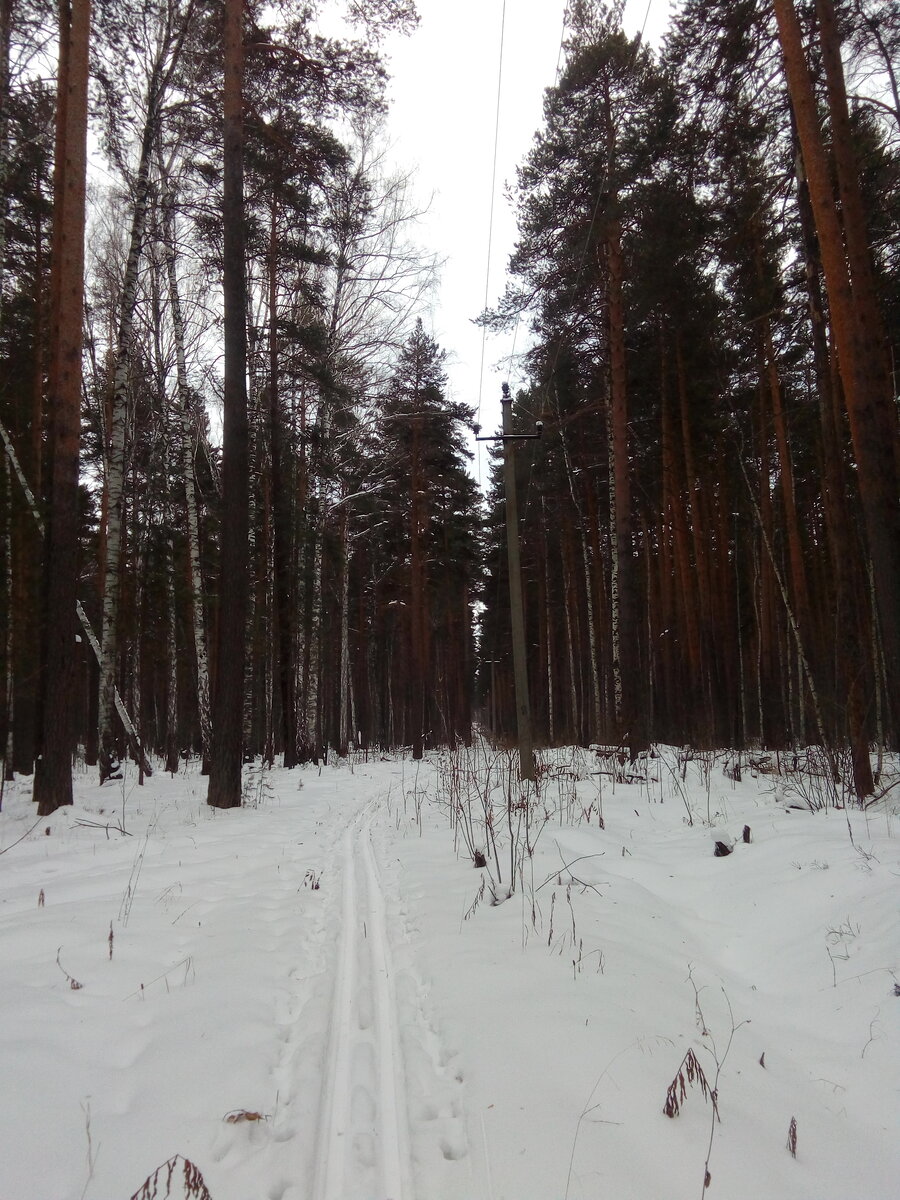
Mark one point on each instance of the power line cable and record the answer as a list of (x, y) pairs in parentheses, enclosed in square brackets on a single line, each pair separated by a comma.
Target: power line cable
[(487, 267)]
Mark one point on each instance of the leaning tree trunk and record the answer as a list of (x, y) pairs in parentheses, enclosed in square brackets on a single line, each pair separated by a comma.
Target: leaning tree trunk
[(53, 773), (225, 762)]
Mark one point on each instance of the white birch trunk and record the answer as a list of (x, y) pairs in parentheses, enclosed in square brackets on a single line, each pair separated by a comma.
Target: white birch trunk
[(115, 464), (186, 439)]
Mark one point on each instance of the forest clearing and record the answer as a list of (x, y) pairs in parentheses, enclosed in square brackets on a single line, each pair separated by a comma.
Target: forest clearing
[(318, 997)]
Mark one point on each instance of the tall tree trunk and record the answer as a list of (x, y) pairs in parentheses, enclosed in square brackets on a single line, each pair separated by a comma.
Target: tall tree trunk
[(345, 729), (8, 672), (842, 552), (171, 659), (309, 748), (59, 682), (6, 10), (595, 719), (855, 317), (115, 464), (549, 628), (225, 760), (284, 603), (626, 660), (185, 439), (416, 598)]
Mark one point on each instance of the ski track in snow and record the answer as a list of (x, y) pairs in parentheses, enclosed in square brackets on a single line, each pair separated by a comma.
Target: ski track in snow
[(369, 1100), (389, 1123), (363, 1133)]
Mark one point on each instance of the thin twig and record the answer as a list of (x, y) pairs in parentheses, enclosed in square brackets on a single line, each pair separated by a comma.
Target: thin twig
[(23, 837)]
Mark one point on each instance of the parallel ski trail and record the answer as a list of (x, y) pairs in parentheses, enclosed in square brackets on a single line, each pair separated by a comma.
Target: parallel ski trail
[(392, 1107), (335, 1114), (363, 1133)]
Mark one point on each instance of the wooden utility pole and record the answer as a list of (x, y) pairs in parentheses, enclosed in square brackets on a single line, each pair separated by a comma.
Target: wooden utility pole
[(517, 619)]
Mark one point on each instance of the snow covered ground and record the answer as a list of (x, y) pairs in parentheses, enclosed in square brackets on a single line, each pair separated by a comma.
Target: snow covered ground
[(314, 997)]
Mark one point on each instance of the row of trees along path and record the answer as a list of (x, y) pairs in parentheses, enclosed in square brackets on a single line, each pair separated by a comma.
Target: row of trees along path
[(280, 548), (709, 256)]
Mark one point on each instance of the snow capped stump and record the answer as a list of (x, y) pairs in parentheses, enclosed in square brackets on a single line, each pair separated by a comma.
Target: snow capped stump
[(724, 843)]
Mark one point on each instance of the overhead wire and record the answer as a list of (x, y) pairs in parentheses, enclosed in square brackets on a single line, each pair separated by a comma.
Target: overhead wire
[(487, 266)]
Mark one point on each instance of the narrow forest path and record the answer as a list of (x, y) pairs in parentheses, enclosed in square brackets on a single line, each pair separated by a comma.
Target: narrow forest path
[(371, 1103), (363, 1142)]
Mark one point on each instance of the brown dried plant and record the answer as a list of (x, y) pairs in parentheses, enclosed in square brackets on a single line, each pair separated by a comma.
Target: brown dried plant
[(73, 982), (176, 1170), (690, 1072), (792, 1137)]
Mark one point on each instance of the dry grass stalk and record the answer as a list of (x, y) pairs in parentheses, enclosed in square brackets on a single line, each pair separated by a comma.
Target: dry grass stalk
[(73, 982)]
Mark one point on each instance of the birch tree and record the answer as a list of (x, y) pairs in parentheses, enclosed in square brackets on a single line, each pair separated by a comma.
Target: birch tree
[(171, 27)]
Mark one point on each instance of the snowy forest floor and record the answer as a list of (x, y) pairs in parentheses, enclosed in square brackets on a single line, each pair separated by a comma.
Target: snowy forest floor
[(313, 997)]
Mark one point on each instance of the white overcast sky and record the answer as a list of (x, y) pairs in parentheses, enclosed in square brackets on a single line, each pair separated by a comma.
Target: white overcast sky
[(443, 109)]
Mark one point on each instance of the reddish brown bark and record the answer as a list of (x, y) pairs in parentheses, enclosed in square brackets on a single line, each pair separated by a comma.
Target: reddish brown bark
[(53, 774), (854, 312)]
